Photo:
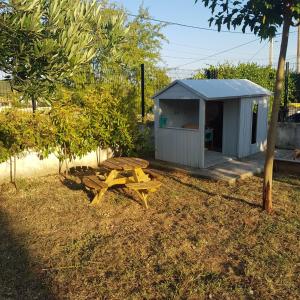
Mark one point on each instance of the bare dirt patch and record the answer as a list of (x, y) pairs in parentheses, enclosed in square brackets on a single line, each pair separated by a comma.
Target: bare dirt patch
[(199, 239)]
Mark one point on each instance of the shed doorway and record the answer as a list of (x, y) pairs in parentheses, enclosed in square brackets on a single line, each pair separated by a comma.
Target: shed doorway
[(214, 126)]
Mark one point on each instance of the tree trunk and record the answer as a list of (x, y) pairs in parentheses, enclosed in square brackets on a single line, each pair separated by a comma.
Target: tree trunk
[(33, 101), (268, 171)]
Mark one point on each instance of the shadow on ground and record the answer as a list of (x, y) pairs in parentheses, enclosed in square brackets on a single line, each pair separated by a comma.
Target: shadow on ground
[(228, 197), (18, 280)]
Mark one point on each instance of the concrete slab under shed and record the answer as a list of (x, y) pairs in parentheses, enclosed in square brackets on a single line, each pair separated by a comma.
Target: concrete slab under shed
[(229, 171), (212, 158)]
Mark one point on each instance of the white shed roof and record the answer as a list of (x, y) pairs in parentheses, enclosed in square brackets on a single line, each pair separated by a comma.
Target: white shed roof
[(211, 89)]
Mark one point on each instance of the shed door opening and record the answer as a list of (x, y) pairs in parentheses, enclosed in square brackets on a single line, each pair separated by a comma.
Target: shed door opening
[(214, 125)]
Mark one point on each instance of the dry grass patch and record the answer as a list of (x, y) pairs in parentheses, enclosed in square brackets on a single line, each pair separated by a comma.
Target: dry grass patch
[(199, 239)]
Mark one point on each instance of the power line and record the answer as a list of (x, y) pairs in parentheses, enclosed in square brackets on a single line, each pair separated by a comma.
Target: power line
[(259, 50), (224, 51), (189, 46), (186, 25), (200, 28), (196, 55), (176, 51), (177, 57), (189, 26), (218, 53)]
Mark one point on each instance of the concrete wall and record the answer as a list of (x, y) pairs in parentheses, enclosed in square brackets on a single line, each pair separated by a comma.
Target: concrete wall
[(31, 166), (288, 136)]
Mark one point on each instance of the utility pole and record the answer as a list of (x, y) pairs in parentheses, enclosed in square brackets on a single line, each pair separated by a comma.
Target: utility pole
[(298, 51), (271, 49)]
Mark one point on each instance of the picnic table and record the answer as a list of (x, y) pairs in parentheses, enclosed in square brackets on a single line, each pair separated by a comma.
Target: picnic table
[(128, 171)]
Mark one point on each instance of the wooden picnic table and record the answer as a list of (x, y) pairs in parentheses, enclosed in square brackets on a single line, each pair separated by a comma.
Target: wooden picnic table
[(128, 171)]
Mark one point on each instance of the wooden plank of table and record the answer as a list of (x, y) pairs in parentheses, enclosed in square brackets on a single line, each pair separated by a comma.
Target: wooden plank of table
[(132, 162), (125, 163), (139, 162), (111, 165)]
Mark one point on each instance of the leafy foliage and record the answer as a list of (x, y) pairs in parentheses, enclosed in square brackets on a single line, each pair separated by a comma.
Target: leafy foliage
[(19, 132), (264, 18), (74, 126), (48, 42), (84, 57)]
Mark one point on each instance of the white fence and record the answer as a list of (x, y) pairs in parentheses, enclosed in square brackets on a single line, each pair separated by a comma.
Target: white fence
[(31, 166)]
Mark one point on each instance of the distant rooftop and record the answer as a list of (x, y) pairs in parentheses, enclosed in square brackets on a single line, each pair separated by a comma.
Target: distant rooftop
[(210, 89)]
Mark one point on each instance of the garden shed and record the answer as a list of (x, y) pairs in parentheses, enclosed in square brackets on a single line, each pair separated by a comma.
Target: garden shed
[(200, 123)]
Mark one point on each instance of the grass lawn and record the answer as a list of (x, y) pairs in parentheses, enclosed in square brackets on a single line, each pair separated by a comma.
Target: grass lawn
[(199, 240)]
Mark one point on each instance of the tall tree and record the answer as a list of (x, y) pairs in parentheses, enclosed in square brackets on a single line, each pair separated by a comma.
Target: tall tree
[(45, 42), (263, 18)]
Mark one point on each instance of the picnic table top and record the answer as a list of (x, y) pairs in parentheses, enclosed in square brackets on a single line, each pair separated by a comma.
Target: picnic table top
[(125, 163)]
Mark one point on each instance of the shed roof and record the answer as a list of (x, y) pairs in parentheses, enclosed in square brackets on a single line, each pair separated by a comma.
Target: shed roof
[(211, 89)]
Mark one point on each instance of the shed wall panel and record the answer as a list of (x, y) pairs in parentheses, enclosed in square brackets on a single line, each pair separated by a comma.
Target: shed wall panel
[(178, 92), (231, 110), (245, 123), (245, 147), (178, 146)]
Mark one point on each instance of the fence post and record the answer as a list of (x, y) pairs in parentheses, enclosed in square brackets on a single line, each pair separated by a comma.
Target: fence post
[(143, 91)]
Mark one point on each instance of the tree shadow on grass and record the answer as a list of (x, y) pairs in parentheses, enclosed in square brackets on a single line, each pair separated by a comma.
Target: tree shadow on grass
[(18, 280), (227, 197)]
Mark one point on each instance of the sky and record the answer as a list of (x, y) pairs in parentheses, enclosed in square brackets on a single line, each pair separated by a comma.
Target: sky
[(186, 45)]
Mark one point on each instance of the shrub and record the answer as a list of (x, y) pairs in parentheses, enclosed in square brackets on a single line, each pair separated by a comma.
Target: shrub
[(16, 132), (80, 122)]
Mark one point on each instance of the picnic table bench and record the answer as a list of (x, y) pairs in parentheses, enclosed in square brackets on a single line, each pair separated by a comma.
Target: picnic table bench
[(127, 171)]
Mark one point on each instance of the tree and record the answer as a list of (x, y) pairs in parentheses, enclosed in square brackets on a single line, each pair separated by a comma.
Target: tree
[(119, 67), (46, 42), (264, 18)]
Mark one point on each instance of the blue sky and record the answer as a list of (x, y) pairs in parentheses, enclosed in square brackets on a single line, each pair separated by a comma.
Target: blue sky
[(186, 44)]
